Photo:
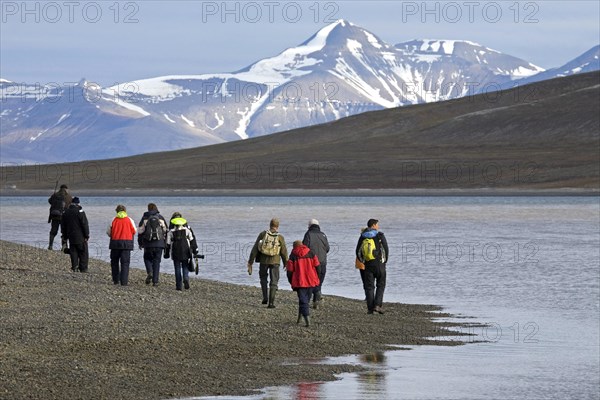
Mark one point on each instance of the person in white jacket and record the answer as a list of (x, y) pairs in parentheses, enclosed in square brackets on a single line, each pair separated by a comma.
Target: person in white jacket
[(181, 247)]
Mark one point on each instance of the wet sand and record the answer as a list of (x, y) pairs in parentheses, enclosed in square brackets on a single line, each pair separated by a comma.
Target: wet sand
[(68, 335)]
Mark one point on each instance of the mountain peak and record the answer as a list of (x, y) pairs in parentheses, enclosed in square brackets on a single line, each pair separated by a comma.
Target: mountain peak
[(437, 46)]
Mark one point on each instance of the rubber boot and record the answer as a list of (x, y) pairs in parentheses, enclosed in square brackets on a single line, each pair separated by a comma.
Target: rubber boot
[(306, 321), (299, 318), (50, 241), (272, 293), (265, 293)]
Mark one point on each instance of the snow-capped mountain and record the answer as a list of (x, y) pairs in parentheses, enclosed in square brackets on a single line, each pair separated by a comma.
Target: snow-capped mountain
[(80, 122), (587, 62), (340, 71)]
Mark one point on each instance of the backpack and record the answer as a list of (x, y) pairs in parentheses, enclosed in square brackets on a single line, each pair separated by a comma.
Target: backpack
[(371, 249), (57, 206), (154, 230), (180, 246), (270, 244), (368, 250)]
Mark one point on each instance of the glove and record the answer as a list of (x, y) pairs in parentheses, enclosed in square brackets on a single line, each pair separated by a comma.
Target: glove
[(249, 268)]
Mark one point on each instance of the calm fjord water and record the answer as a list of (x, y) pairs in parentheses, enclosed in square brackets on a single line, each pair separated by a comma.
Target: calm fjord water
[(529, 267)]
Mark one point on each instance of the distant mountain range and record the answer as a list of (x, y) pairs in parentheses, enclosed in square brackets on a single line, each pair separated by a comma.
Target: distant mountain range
[(340, 71), (547, 141)]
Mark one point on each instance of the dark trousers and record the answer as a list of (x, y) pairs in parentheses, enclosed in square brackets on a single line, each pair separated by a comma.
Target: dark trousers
[(79, 256), (152, 258), (363, 280), (120, 275), (304, 295), (321, 271), (375, 275), (181, 266), (265, 271), (54, 227), (54, 231)]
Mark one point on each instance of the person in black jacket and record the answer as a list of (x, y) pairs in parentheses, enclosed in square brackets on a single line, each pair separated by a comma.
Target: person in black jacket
[(374, 268), (153, 246), (181, 247), (75, 229), (317, 241), (59, 202)]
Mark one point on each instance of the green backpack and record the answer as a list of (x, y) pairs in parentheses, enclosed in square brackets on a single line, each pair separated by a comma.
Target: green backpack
[(368, 250)]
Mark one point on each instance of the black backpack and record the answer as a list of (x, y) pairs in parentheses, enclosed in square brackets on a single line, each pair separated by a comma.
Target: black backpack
[(180, 246), (154, 230), (57, 205)]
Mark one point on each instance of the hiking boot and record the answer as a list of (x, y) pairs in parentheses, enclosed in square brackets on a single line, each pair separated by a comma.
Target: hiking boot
[(316, 304), (155, 284), (148, 279), (178, 288), (378, 310), (272, 294), (299, 318), (186, 285), (306, 321), (265, 293), (370, 312)]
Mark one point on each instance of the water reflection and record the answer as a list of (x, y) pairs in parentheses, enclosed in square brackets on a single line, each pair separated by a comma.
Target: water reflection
[(308, 391), (373, 381)]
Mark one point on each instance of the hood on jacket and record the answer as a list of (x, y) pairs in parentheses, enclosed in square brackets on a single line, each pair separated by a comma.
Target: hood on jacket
[(300, 251), (369, 233), (121, 214), (314, 227), (178, 221)]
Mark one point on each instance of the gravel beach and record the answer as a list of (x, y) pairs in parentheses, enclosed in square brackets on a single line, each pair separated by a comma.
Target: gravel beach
[(68, 335)]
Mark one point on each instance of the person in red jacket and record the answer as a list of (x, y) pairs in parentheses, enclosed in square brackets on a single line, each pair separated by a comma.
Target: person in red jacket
[(121, 231), (302, 275)]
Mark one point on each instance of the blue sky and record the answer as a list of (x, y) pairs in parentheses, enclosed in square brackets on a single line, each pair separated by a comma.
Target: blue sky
[(112, 42)]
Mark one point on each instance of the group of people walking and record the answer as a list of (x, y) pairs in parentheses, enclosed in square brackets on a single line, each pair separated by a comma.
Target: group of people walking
[(305, 267), (158, 239), (175, 240)]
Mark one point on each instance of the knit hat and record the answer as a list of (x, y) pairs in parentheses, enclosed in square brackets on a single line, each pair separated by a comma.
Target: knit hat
[(75, 200), (313, 222)]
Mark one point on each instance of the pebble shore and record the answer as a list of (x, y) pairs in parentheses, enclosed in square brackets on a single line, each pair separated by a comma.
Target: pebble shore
[(70, 335)]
